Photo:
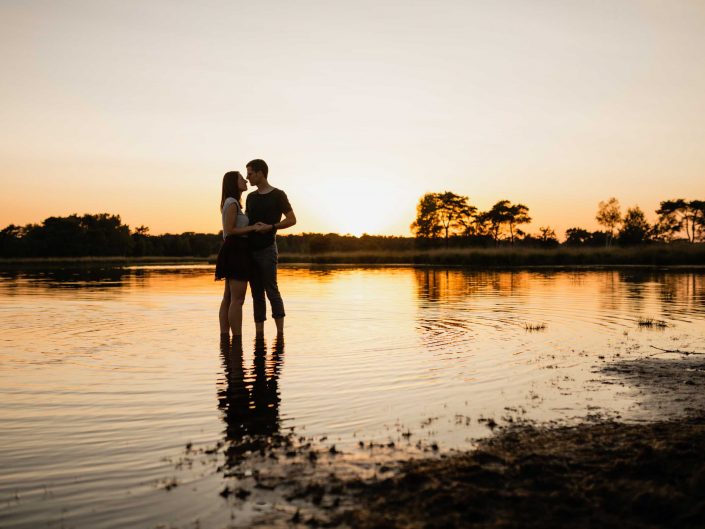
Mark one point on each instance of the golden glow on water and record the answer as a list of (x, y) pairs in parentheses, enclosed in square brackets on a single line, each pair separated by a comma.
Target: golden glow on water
[(106, 375)]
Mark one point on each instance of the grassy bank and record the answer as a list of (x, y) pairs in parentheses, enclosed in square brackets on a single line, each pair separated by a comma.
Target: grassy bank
[(653, 255), (516, 257)]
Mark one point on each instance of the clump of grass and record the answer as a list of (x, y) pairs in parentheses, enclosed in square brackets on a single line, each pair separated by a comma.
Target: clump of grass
[(652, 322), (534, 327)]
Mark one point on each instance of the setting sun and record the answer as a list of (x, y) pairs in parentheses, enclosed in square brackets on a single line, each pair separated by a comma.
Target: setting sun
[(362, 201)]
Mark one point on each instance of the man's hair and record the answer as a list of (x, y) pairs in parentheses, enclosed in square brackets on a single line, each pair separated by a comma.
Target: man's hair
[(259, 166)]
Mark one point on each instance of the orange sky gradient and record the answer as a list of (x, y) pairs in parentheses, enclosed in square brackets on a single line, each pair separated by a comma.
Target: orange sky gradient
[(138, 108)]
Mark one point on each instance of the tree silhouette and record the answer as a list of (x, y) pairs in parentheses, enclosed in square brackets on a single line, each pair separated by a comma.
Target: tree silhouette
[(635, 228), (698, 209), (678, 214), (609, 216), (548, 234), (518, 214), (427, 223), (504, 212), (496, 217), (672, 218), (454, 212), (577, 236), (442, 213)]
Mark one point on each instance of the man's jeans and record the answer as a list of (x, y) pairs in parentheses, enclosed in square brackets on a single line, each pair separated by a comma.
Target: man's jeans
[(264, 279)]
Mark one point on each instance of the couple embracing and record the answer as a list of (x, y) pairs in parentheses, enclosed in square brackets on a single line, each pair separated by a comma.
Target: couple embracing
[(249, 250)]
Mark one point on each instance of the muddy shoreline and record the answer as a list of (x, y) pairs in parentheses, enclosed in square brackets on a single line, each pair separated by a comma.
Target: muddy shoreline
[(601, 473), (604, 474)]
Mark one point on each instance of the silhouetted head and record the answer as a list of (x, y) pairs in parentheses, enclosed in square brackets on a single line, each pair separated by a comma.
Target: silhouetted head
[(257, 172), (233, 186)]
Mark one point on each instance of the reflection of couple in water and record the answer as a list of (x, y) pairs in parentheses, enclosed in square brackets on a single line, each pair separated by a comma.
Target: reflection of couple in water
[(249, 399), (249, 250)]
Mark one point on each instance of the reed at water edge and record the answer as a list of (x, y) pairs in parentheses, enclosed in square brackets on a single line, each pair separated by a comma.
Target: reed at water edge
[(648, 255), (652, 255)]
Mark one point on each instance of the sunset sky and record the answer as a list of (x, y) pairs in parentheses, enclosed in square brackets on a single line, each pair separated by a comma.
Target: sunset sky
[(359, 107)]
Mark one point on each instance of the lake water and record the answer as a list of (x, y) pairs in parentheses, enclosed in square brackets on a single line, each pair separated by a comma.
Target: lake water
[(106, 375)]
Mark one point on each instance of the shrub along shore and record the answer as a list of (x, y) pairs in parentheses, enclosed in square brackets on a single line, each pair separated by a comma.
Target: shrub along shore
[(652, 255)]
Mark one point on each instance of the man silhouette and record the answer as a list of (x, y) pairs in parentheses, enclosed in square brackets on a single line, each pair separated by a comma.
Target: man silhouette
[(266, 205)]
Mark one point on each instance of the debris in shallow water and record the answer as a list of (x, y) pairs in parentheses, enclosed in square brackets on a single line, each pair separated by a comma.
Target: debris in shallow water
[(652, 322), (242, 493), (686, 353), (490, 422), (171, 484)]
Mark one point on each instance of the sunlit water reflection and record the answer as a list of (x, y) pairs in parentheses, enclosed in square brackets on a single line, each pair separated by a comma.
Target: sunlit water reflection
[(105, 376)]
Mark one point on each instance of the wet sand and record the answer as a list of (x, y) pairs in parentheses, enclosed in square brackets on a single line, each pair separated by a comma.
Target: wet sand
[(604, 474), (601, 473)]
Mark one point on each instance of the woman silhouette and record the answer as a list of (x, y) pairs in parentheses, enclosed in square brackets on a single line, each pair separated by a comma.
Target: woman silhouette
[(234, 259)]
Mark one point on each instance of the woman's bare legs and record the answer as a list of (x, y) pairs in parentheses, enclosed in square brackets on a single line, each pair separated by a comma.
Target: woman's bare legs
[(238, 289), (223, 313)]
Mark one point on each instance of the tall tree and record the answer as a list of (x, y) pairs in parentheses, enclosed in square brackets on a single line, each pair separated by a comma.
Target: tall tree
[(548, 235), (454, 212), (505, 213), (609, 215), (635, 228), (518, 214), (11, 242), (427, 223), (442, 214), (674, 216), (481, 225), (577, 236), (698, 209), (496, 217)]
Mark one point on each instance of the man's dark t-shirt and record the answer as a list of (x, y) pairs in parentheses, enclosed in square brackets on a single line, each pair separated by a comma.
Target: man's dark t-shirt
[(267, 208)]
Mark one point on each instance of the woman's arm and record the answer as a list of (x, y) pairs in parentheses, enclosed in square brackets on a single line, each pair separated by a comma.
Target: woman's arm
[(288, 222), (231, 219)]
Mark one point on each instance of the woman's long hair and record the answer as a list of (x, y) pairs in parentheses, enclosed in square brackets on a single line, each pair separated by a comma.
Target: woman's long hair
[(230, 187)]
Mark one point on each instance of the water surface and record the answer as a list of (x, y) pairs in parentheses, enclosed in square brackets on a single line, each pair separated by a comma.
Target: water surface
[(106, 375)]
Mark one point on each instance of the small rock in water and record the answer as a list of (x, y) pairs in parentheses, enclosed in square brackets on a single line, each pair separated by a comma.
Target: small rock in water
[(242, 493)]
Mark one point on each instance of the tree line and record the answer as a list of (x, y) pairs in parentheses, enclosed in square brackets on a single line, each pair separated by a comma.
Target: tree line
[(104, 234), (443, 219), (450, 218), (101, 234)]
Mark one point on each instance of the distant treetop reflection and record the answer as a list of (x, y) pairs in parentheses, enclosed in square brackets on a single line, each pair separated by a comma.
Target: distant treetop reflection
[(249, 399)]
